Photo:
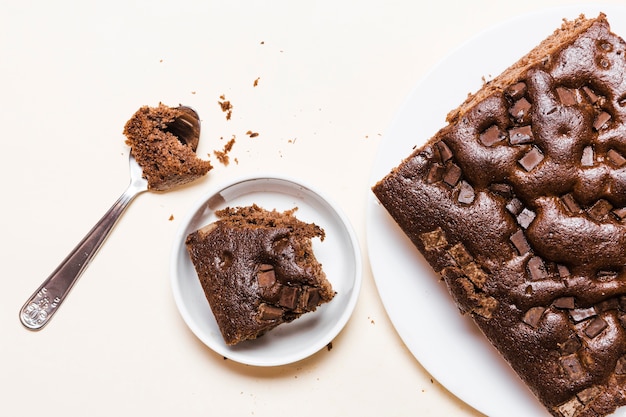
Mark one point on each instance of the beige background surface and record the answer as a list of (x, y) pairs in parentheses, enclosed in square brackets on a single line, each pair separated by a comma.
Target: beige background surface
[(331, 75)]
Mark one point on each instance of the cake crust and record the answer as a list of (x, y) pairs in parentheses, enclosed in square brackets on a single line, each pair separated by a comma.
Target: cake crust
[(519, 204), (258, 270)]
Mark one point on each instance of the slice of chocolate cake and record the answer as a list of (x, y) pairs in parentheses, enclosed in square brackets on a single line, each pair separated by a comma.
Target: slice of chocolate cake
[(520, 204), (163, 141), (258, 270)]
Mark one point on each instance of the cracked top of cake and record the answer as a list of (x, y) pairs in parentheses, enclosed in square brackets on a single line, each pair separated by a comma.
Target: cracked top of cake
[(520, 204)]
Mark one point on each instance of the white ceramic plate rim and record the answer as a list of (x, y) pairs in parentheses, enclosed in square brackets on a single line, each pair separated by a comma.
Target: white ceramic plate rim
[(290, 342), (449, 346)]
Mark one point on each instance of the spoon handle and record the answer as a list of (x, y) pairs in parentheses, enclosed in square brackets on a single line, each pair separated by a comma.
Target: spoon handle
[(45, 301)]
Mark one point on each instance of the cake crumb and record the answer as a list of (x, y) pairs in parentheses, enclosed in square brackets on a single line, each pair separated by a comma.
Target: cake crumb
[(252, 134), (222, 155), (256, 82), (171, 217), (226, 106), (329, 346)]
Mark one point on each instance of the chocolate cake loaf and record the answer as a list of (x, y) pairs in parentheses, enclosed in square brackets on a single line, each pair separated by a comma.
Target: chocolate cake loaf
[(163, 141), (258, 270), (519, 203)]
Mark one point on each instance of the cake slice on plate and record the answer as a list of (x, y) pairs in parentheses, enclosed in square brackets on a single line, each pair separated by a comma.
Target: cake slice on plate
[(258, 270)]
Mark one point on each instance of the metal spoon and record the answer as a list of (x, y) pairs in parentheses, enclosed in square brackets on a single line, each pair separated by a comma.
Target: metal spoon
[(45, 301)]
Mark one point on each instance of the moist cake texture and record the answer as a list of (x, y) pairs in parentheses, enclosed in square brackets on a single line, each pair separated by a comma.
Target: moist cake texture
[(163, 141), (519, 203), (258, 270)]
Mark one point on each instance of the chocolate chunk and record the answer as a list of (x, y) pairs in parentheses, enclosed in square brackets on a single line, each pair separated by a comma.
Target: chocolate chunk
[(525, 218), (533, 316), (570, 203), (537, 268), (571, 408), (460, 254), (310, 299), (289, 297), (520, 109), (519, 241), (591, 95), (620, 366), (587, 395), (563, 271), (466, 193), (434, 240), (587, 158), (600, 210), (444, 152), (519, 135), (566, 96), (492, 136), (266, 276), (620, 213), (452, 175), (268, 312), (516, 91), (435, 174), (595, 327), (565, 303), (581, 314), (475, 273), (615, 158), (531, 159), (515, 206), (601, 120), (572, 366), (571, 345)]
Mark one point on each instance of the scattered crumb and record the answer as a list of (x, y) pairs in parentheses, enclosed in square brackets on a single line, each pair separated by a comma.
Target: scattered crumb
[(225, 358), (171, 217), (193, 92), (256, 82), (222, 155), (226, 106), (292, 140), (252, 134), (329, 346), (262, 42)]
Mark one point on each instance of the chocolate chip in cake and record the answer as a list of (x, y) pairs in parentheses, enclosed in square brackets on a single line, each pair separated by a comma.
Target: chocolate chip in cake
[(452, 175), (595, 327), (289, 297), (615, 158), (531, 159), (533, 316), (492, 135), (591, 95), (266, 276), (516, 91), (268, 312), (520, 109), (537, 269), (599, 210), (460, 255), (525, 218), (570, 203), (444, 152), (519, 241), (519, 135), (601, 120), (564, 303), (515, 206), (581, 314), (434, 240), (572, 366), (466, 193), (588, 158), (620, 366), (566, 96)]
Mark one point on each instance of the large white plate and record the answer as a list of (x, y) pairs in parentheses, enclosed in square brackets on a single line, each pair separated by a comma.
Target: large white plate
[(447, 344), (339, 255)]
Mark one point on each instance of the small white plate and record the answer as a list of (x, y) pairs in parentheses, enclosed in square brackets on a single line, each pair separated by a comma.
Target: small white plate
[(447, 344), (339, 255)]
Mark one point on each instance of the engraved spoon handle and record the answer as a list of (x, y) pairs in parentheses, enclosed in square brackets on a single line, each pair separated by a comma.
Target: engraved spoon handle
[(45, 301)]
